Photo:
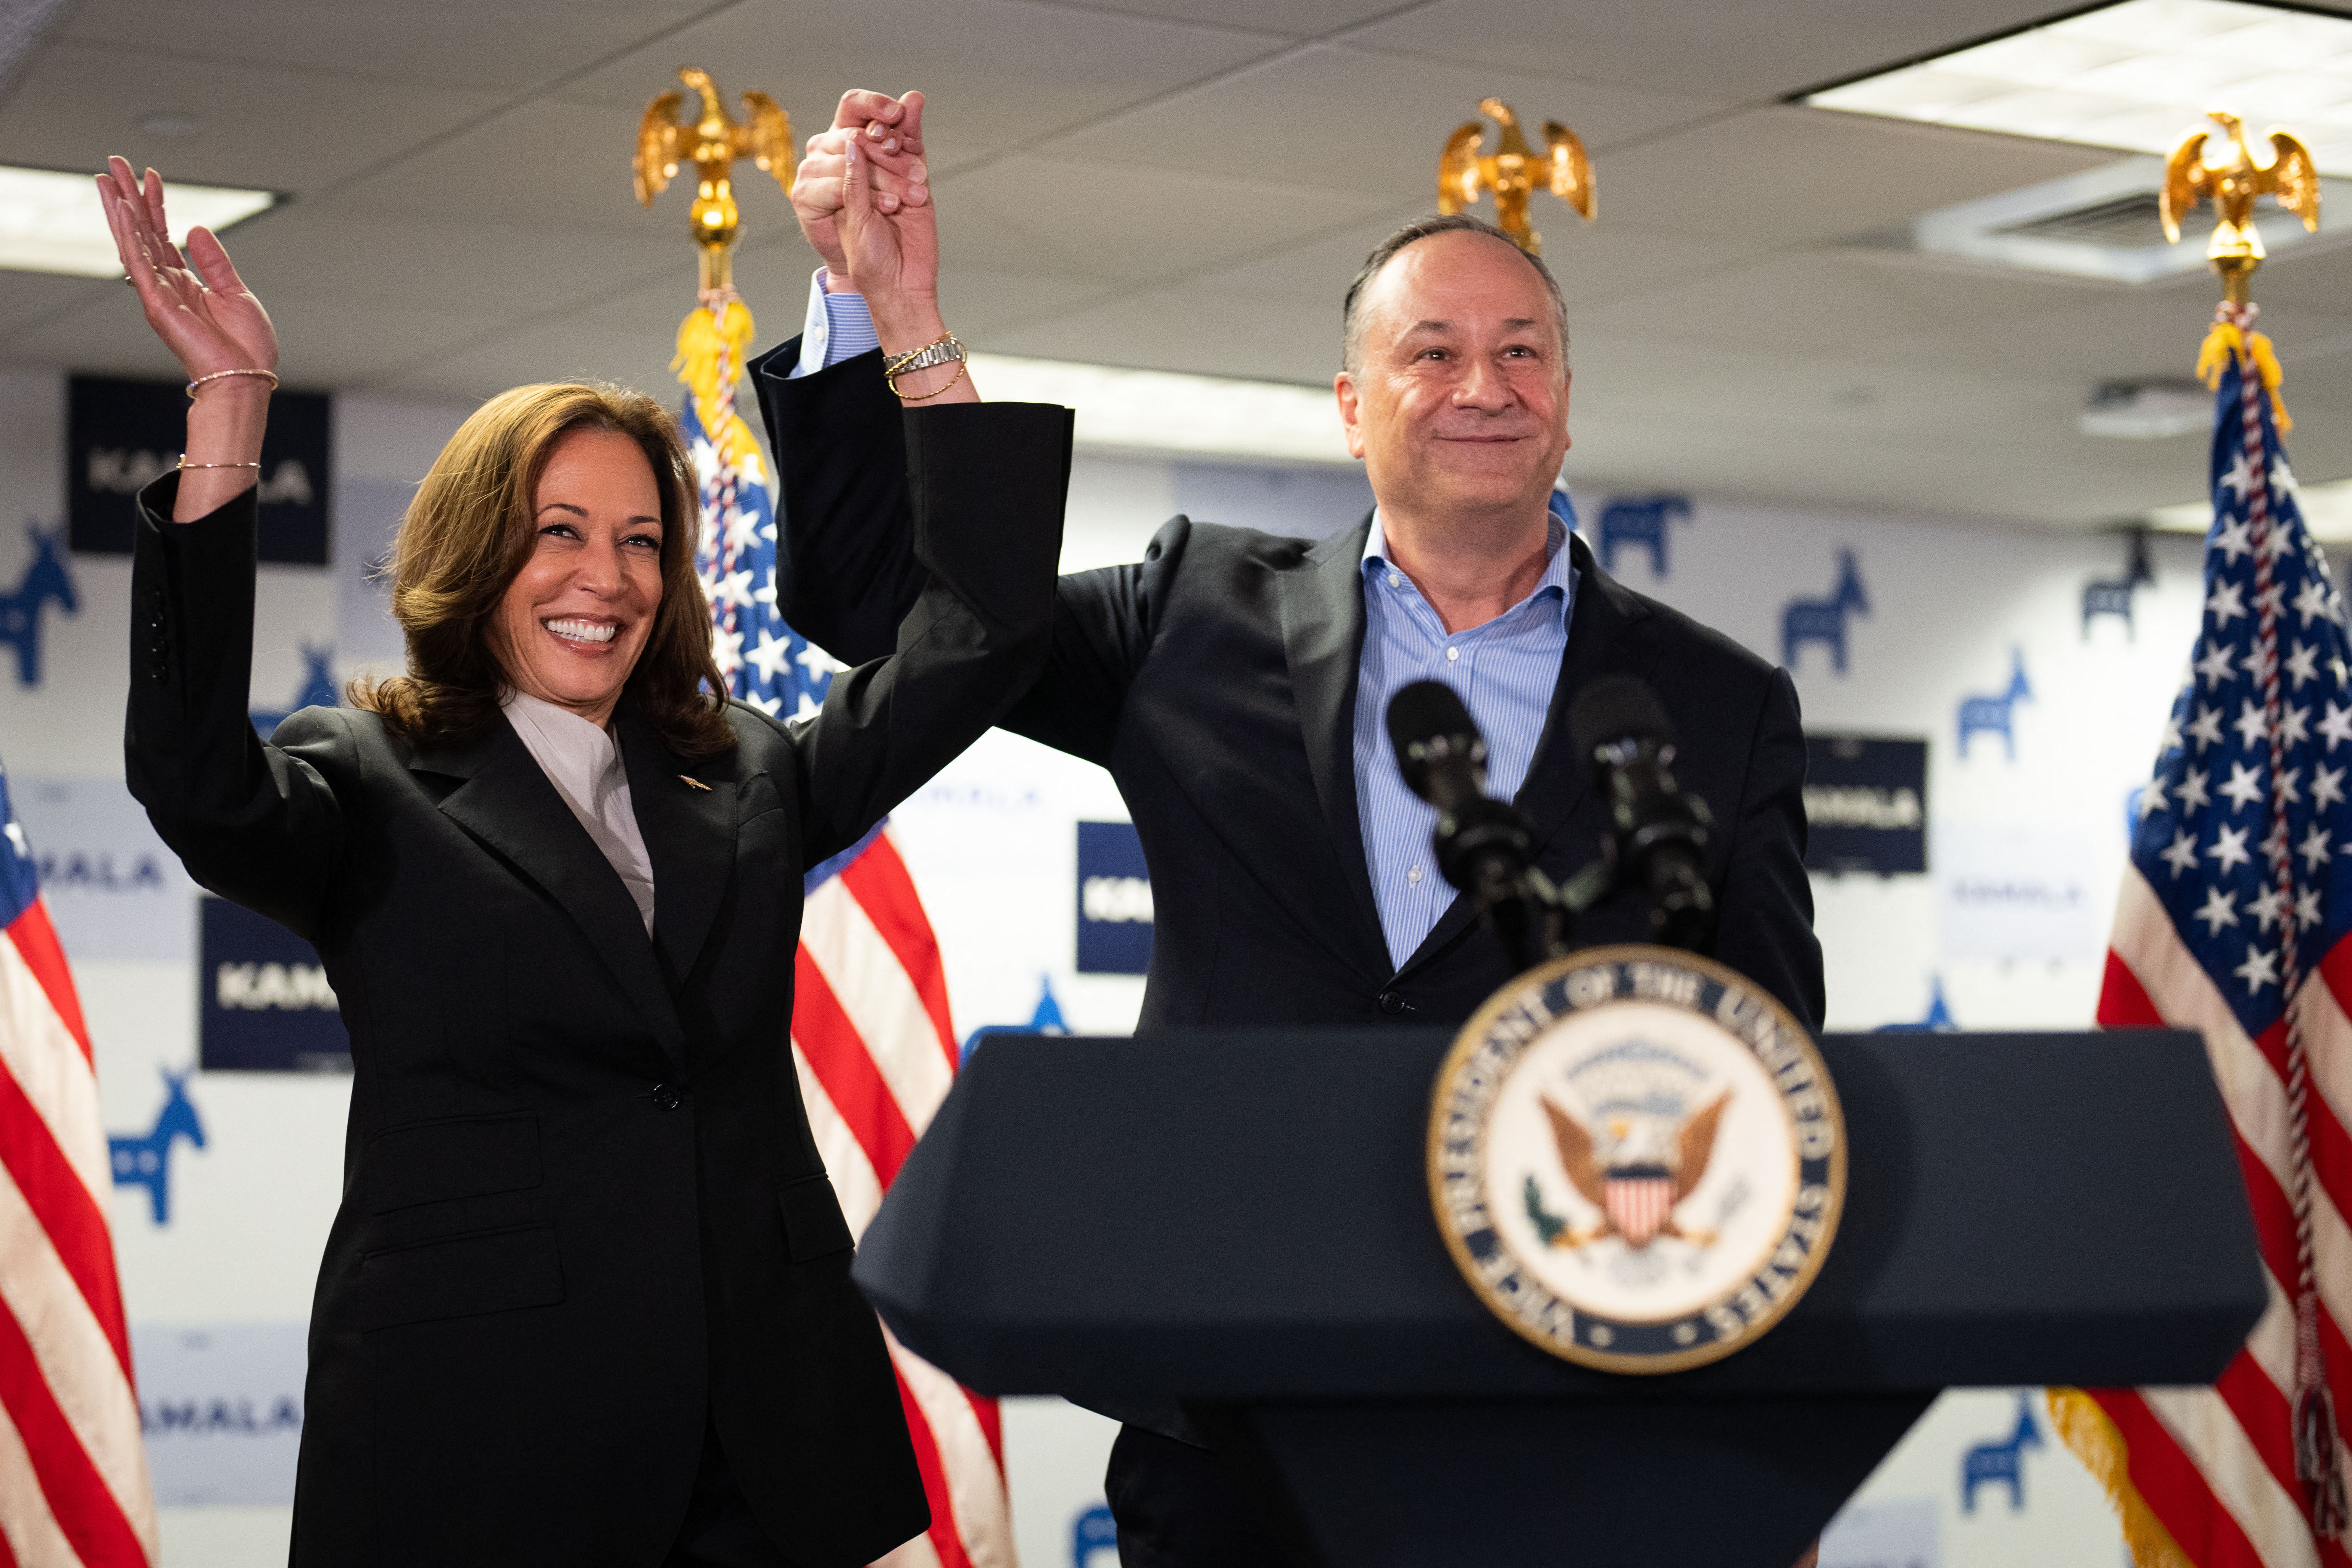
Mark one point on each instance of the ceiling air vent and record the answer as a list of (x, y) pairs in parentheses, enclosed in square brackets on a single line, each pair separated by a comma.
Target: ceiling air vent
[(2101, 223), (2135, 221)]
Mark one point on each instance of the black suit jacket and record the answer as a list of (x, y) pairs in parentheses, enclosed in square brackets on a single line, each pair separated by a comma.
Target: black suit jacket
[(583, 1212), (1216, 680)]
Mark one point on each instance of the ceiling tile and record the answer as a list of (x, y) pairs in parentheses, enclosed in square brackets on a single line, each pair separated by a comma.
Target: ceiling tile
[(1592, 262), (443, 43), (550, 162), (29, 300), (1378, 120), (1060, 216), (1193, 329), (1733, 49), (290, 131), (377, 255), (1863, 304), (1787, 175), (1297, 19), (993, 71), (979, 304), (324, 340)]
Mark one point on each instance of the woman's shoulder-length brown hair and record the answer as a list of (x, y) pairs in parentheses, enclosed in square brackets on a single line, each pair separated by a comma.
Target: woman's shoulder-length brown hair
[(467, 535)]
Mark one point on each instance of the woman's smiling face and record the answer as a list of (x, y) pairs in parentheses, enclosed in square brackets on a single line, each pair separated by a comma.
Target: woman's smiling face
[(577, 615)]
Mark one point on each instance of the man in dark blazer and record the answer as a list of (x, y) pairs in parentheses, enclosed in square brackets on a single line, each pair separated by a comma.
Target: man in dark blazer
[(1234, 682)]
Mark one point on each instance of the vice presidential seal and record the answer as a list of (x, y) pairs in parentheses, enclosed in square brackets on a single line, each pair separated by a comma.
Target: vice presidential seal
[(1637, 1158)]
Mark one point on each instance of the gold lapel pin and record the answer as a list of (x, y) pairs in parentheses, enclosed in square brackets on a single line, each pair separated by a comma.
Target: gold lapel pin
[(694, 783)]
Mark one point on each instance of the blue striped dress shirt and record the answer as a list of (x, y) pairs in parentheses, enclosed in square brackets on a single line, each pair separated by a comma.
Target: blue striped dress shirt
[(1505, 671)]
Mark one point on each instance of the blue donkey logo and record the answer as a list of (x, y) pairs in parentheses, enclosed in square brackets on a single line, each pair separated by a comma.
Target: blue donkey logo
[(2000, 1463), (1823, 620), (1092, 1532), (1994, 715), (147, 1162), (1938, 1018), (1045, 1020), (1642, 522), (318, 691), (20, 612), (2113, 595)]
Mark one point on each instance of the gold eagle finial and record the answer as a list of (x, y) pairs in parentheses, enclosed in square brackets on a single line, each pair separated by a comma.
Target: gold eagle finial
[(1513, 171), (2189, 177), (712, 143)]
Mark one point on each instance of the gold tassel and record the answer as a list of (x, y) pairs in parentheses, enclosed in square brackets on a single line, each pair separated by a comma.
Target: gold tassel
[(2223, 342), (710, 360), (2078, 1419)]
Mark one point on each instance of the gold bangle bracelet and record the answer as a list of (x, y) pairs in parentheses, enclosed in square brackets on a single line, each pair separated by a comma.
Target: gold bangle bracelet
[(185, 464), (269, 376), (926, 396)]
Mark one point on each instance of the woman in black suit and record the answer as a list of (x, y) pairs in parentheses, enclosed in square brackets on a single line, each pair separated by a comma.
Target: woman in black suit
[(587, 1300)]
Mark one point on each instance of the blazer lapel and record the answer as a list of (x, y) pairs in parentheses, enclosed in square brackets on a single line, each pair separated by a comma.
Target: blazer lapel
[(1601, 641), (689, 836), (1323, 639), (508, 804)]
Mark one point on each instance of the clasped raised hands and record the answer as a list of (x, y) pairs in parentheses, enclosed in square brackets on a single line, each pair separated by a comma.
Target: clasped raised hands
[(863, 196)]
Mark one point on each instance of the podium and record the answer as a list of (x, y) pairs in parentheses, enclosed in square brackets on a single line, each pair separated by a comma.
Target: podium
[(1238, 1223)]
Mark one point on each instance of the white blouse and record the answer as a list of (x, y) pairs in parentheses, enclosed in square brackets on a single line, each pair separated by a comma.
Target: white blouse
[(584, 763)]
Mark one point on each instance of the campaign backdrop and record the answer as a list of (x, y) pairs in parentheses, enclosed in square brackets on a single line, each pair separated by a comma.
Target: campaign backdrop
[(124, 434), (1988, 673)]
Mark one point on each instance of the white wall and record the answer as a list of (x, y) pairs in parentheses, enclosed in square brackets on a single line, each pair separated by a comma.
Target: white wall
[(2026, 856)]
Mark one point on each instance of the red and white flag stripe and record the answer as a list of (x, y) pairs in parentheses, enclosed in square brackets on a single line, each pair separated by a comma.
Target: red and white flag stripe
[(2210, 1472), (73, 1475), (877, 1052)]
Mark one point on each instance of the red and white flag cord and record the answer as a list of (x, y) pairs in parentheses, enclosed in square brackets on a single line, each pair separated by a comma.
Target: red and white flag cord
[(2316, 1442)]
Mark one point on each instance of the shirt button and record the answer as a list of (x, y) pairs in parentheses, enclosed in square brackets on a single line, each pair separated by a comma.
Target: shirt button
[(1413, 877), (668, 1096), (1451, 654), (1394, 579)]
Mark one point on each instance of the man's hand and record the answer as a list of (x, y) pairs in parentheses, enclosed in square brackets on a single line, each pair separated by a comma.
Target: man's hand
[(888, 132)]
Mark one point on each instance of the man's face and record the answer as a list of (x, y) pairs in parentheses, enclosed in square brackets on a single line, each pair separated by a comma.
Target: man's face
[(1459, 402)]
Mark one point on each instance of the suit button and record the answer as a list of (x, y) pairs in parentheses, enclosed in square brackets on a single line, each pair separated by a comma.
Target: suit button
[(668, 1096), (1392, 1003)]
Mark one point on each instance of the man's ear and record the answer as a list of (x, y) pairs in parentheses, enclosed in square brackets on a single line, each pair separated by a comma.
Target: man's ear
[(1343, 385)]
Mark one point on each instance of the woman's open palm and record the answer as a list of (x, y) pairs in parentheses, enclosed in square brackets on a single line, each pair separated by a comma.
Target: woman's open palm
[(203, 313)]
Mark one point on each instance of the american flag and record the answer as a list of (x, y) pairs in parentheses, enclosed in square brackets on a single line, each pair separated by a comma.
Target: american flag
[(871, 1036), (2231, 921), (73, 1476)]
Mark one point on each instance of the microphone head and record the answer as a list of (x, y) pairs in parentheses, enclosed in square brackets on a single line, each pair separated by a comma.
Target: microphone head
[(1617, 708), (1428, 724)]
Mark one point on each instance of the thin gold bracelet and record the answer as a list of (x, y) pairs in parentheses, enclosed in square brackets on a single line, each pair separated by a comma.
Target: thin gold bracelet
[(185, 464), (926, 396), (270, 377)]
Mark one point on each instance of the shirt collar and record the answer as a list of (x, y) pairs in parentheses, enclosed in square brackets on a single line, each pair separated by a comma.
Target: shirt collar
[(1559, 570), (576, 752)]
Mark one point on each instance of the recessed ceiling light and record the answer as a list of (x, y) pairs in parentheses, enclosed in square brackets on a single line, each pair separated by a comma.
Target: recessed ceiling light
[(171, 124), (2326, 510), (2147, 410), (2139, 75), (51, 220), (1167, 411)]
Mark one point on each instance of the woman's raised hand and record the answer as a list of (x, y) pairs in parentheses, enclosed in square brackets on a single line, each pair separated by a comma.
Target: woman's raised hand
[(205, 313), (211, 322)]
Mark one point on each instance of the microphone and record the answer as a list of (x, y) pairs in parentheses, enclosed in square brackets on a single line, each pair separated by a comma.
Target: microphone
[(1485, 847), (1662, 833)]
